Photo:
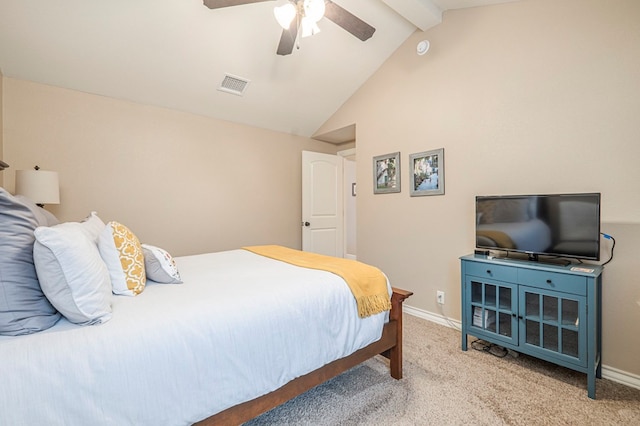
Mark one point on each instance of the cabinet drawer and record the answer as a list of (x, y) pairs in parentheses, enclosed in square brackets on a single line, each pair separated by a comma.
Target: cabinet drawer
[(566, 283), (487, 270)]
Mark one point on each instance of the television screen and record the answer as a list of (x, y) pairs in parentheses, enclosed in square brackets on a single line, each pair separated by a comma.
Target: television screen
[(561, 225)]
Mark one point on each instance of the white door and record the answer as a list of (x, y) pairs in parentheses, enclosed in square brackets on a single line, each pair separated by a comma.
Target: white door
[(322, 203)]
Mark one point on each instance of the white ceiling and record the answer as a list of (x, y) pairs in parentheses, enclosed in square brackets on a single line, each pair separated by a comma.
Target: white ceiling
[(175, 53)]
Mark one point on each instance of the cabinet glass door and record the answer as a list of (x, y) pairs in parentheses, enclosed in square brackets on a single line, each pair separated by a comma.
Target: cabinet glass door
[(553, 322), (492, 309)]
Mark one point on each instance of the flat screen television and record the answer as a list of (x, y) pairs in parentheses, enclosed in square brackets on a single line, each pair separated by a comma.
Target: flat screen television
[(557, 225)]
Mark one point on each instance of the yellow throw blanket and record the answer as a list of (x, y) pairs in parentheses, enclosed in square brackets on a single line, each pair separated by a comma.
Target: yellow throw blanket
[(367, 283)]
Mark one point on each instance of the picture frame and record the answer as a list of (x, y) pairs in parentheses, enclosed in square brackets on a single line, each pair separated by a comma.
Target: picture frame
[(386, 173), (426, 173)]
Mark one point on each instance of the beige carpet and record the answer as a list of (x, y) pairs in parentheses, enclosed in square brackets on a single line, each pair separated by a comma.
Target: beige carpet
[(443, 385)]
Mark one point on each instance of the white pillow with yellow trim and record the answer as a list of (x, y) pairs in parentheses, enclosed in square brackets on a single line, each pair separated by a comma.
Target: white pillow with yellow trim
[(122, 253)]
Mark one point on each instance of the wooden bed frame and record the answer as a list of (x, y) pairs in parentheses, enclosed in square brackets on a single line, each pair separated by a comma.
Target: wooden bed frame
[(389, 345)]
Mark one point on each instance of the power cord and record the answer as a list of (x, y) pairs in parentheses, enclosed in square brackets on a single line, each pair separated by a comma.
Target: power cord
[(609, 237), (446, 318), (495, 350)]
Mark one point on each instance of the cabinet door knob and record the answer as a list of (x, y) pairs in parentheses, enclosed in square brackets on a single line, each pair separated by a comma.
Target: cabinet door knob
[(489, 271), (548, 281)]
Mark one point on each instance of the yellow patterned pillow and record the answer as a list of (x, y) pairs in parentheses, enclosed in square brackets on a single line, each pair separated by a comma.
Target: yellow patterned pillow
[(121, 251)]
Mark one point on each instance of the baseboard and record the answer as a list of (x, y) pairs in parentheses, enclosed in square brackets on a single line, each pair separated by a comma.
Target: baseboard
[(430, 316), (620, 376), (609, 373)]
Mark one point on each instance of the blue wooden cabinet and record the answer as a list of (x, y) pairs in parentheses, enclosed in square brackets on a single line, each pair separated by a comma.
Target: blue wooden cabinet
[(548, 311)]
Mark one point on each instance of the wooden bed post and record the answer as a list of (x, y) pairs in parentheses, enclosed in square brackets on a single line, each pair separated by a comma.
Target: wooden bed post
[(395, 353)]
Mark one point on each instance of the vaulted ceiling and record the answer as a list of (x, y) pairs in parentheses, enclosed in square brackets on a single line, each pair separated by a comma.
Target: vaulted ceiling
[(176, 53)]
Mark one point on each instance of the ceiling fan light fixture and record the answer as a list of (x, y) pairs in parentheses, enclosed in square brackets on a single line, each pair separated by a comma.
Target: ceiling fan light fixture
[(285, 14), (314, 9), (309, 27)]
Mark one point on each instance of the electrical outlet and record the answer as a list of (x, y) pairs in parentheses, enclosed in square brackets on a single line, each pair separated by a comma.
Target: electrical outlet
[(440, 297)]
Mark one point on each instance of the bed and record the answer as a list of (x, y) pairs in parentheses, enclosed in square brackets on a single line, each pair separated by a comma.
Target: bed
[(238, 334)]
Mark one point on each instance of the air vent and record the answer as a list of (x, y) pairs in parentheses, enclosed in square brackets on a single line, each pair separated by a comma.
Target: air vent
[(233, 84)]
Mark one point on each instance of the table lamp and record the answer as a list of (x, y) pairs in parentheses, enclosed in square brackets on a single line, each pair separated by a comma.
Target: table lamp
[(40, 186)]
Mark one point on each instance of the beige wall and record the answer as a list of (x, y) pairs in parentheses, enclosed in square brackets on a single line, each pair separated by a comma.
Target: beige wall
[(528, 97), (187, 183)]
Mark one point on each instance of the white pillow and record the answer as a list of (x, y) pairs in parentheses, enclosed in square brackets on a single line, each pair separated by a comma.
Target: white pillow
[(160, 266), (92, 225), (121, 252), (72, 274)]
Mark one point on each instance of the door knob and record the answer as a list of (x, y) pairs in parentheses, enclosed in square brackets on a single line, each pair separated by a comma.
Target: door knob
[(307, 224)]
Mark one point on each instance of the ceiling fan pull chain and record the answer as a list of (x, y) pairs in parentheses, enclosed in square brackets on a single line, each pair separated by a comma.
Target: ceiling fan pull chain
[(298, 31)]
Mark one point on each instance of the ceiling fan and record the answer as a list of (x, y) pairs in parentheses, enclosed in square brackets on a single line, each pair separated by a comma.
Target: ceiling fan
[(304, 15)]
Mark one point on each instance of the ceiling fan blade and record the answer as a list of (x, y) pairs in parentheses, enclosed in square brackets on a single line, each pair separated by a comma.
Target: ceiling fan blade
[(348, 21), (288, 39), (217, 4)]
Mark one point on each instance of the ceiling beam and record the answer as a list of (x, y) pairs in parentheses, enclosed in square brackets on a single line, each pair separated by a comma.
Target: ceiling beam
[(424, 14), (338, 136)]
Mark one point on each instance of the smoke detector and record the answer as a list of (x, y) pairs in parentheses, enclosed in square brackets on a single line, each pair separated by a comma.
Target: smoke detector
[(422, 47)]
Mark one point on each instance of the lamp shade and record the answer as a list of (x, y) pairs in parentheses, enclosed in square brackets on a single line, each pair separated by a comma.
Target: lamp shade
[(309, 27), (285, 15), (314, 9), (40, 186)]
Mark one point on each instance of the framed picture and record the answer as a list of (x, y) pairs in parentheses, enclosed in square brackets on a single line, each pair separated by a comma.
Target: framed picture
[(427, 173), (386, 173)]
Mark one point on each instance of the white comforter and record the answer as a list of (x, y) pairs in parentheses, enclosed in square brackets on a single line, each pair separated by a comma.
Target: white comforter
[(240, 326)]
